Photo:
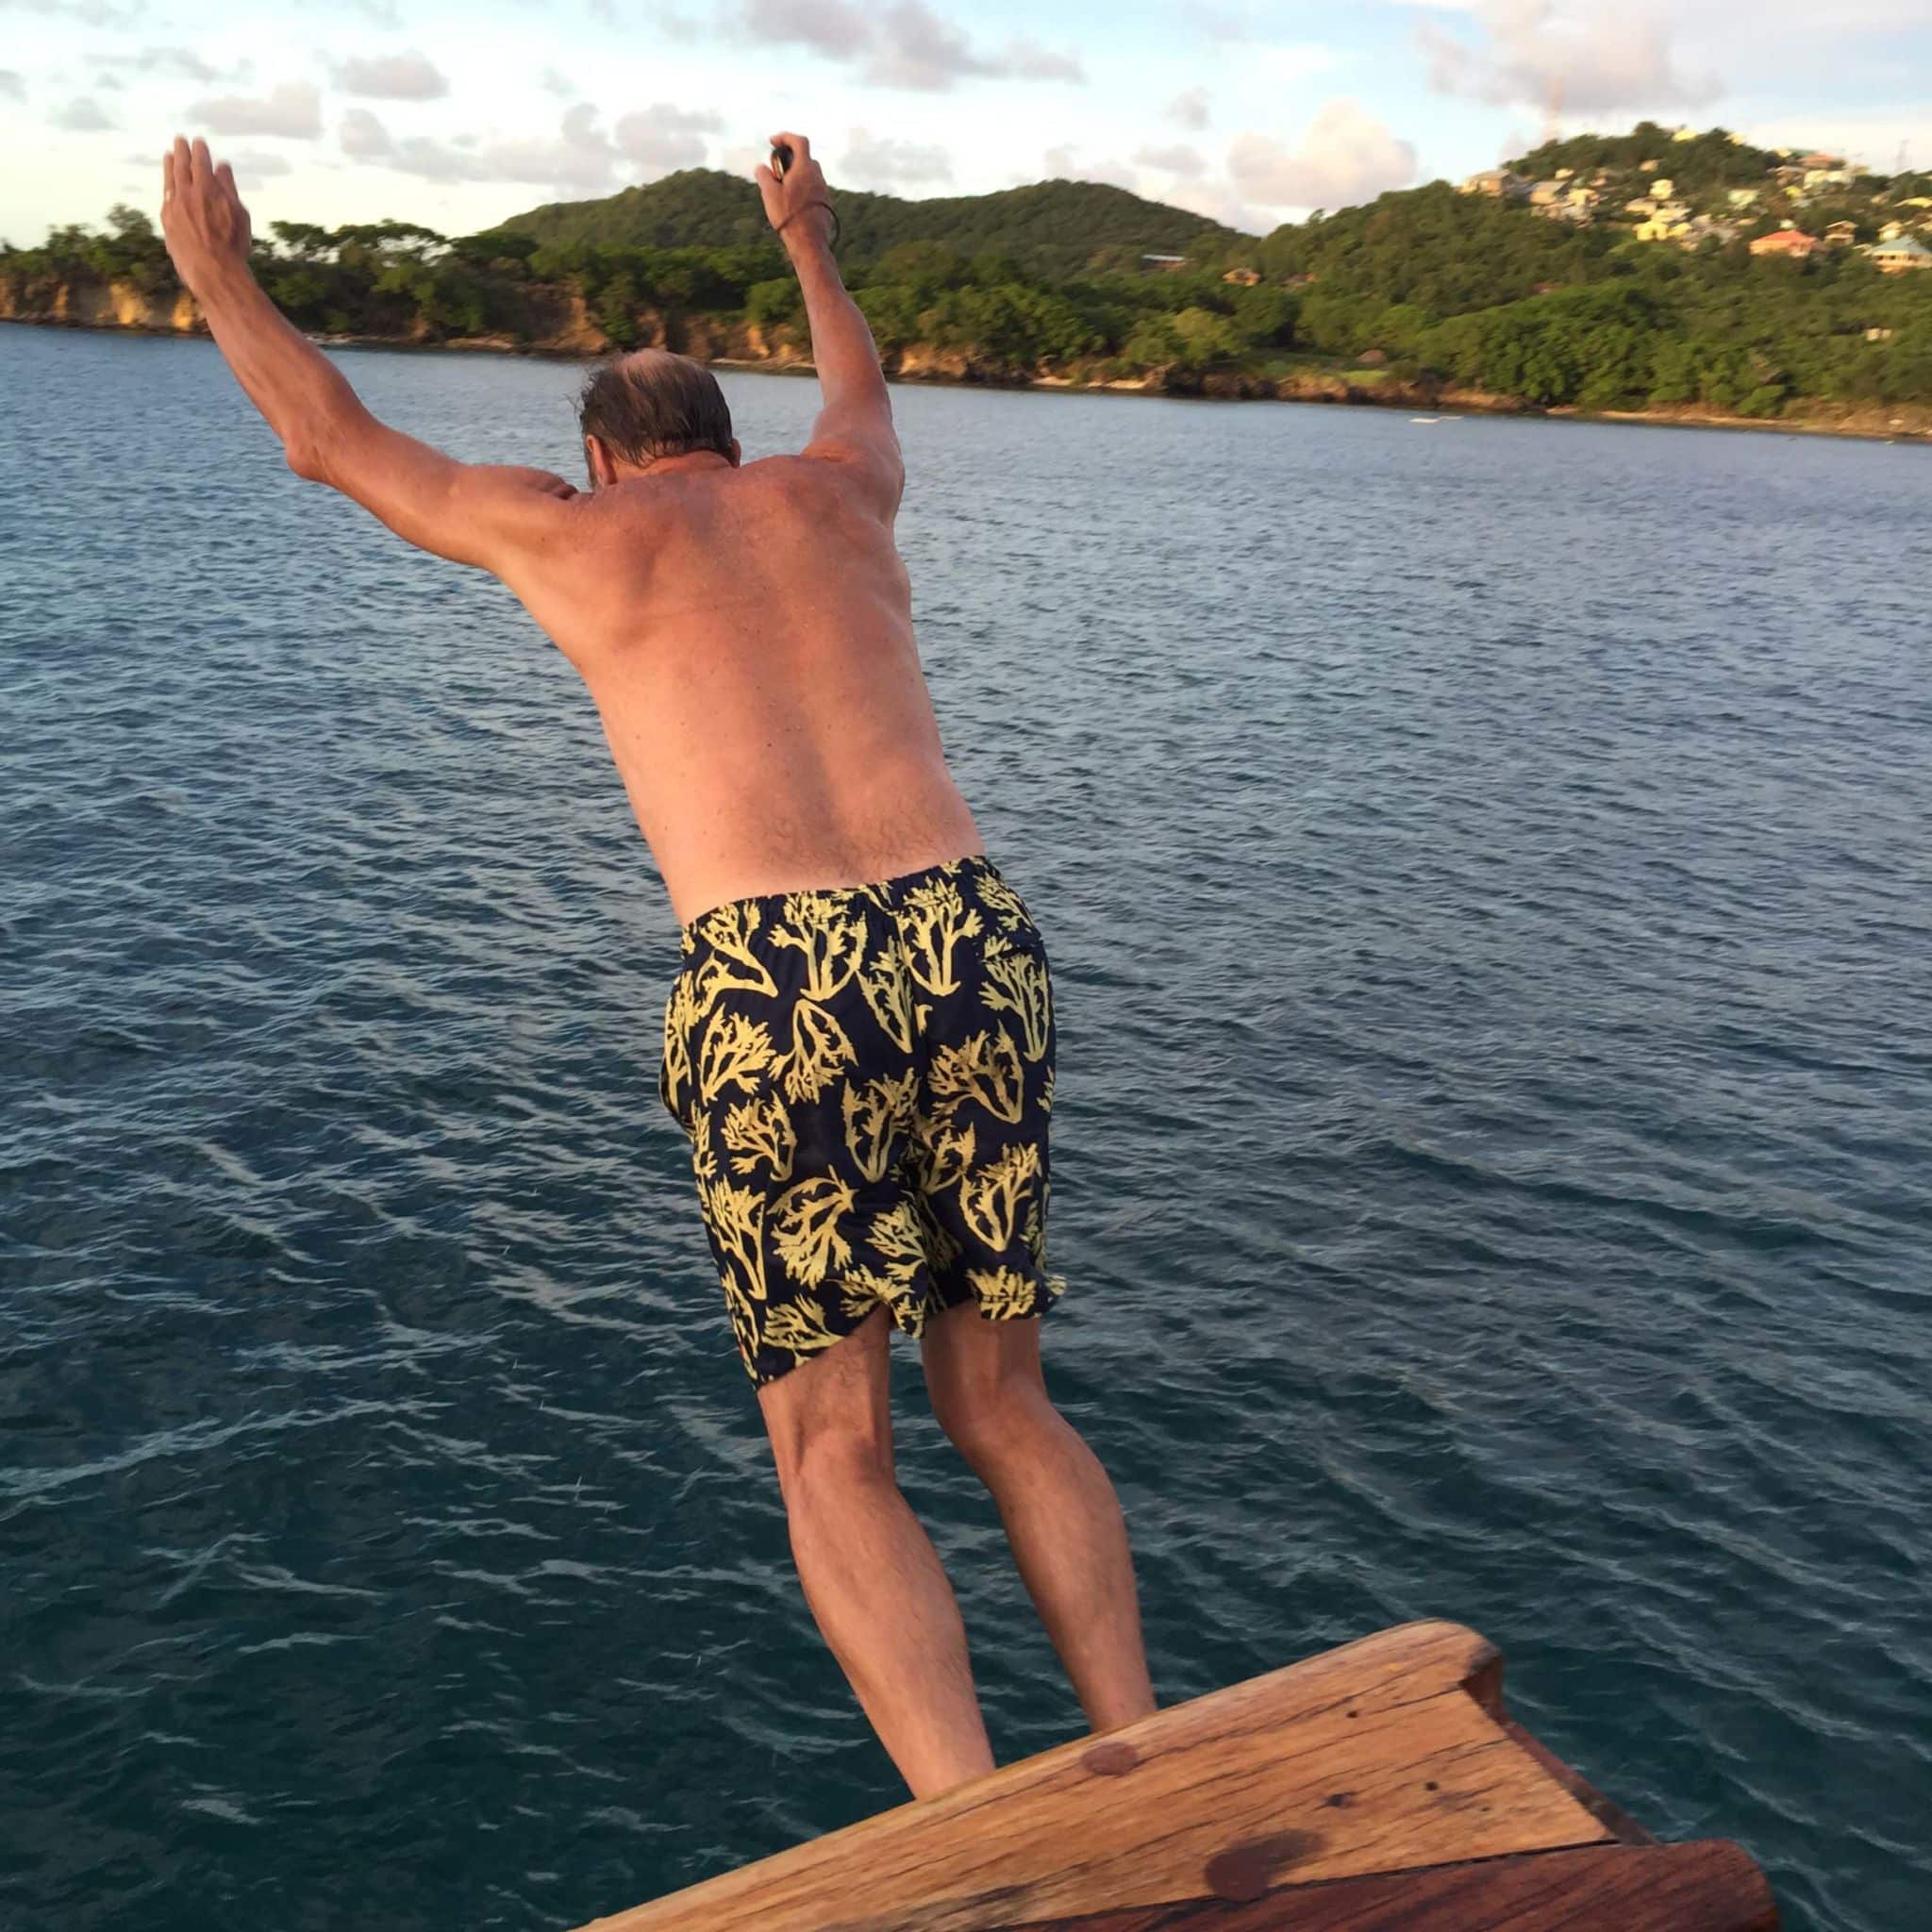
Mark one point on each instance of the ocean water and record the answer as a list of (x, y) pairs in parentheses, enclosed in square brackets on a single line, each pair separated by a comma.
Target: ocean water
[(1487, 867)]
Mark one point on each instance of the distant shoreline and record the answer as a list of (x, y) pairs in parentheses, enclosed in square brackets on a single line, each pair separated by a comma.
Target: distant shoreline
[(1210, 386)]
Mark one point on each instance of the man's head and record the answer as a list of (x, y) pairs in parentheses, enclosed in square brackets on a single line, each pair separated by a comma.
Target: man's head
[(649, 407)]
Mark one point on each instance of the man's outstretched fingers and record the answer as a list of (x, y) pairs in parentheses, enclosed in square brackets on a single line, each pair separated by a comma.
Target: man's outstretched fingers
[(800, 146)]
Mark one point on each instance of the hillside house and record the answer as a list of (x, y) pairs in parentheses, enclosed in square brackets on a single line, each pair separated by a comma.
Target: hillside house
[(1840, 234), (1897, 258), (1792, 241), (1573, 203), (1246, 277), (1497, 181), (1821, 160), (1742, 197), (1827, 178), (1164, 264), (1891, 231), (1663, 188), (1668, 220)]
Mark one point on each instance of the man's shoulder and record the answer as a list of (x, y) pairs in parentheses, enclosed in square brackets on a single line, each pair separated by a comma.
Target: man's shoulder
[(852, 470)]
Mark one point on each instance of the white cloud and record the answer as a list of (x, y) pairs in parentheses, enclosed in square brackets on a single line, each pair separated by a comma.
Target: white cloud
[(1189, 109), (1345, 157), (905, 44), (377, 12), (1178, 159), (1530, 53), (172, 64), (881, 163), (292, 109), (1063, 163), (661, 138), (1218, 202), (1221, 23), (833, 28), (253, 166), (83, 114), (363, 137), (89, 13), (12, 88), (553, 82), (580, 159), (411, 76)]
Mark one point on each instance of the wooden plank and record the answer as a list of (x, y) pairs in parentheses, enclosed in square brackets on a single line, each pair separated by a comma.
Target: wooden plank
[(1486, 1687), (1708, 1887), (1369, 1758)]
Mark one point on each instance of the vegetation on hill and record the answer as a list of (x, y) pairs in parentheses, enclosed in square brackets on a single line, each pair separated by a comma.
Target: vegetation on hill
[(1051, 228), (1713, 158), (1426, 289)]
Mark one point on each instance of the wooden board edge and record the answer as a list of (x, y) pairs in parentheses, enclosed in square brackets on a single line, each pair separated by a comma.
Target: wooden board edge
[(1485, 1684), (1755, 1909)]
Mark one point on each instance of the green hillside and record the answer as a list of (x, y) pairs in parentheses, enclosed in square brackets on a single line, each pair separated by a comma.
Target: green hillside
[(1053, 227), (1660, 270)]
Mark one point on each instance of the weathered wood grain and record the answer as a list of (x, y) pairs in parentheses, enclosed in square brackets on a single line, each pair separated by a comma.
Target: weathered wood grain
[(1369, 1758), (1708, 1887)]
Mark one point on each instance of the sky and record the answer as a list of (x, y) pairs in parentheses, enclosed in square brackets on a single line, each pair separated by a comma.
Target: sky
[(458, 115)]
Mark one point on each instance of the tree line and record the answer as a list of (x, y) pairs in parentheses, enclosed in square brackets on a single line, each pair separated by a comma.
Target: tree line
[(1433, 286)]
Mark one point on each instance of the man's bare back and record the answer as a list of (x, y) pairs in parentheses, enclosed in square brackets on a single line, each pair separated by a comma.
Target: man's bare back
[(748, 636), (745, 630)]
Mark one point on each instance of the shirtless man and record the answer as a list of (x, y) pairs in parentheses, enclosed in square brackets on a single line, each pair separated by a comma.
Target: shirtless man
[(860, 1046)]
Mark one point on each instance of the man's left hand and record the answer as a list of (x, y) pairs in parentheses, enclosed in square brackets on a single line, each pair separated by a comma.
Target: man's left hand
[(202, 220)]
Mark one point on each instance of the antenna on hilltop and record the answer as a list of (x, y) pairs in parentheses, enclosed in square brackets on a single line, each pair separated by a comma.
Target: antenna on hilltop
[(1553, 117)]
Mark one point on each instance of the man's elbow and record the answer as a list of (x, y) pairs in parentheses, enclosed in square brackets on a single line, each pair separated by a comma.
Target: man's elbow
[(327, 443)]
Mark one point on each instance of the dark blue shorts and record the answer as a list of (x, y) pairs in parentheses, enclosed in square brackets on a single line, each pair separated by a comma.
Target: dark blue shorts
[(865, 1075)]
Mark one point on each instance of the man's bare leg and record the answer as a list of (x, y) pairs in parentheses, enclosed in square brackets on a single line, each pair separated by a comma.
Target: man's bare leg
[(871, 1577), (1062, 1518)]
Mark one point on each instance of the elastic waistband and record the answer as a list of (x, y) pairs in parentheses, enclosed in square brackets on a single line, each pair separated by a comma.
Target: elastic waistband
[(888, 894)]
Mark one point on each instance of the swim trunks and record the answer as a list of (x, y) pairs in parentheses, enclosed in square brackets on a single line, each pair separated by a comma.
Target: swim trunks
[(865, 1075)]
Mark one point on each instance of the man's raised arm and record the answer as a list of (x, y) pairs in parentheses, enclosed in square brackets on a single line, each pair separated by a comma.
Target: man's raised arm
[(856, 423), (494, 517)]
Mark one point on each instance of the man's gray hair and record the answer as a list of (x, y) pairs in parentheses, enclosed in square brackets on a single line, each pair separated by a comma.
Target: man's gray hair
[(655, 404)]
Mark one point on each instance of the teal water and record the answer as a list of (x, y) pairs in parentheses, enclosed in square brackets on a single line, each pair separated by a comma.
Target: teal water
[(1488, 869)]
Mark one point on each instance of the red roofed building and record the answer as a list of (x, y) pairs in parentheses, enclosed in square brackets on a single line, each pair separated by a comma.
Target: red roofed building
[(1792, 241)]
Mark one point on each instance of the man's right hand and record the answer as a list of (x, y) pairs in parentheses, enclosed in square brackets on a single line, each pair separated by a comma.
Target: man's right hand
[(788, 197)]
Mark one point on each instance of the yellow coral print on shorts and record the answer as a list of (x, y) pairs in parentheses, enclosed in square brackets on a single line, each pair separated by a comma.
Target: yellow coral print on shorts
[(865, 1075)]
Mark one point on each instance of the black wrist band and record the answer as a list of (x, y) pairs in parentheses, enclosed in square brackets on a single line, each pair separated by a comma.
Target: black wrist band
[(833, 241)]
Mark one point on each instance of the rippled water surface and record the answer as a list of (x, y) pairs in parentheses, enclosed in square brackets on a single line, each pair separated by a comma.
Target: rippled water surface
[(1488, 871)]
